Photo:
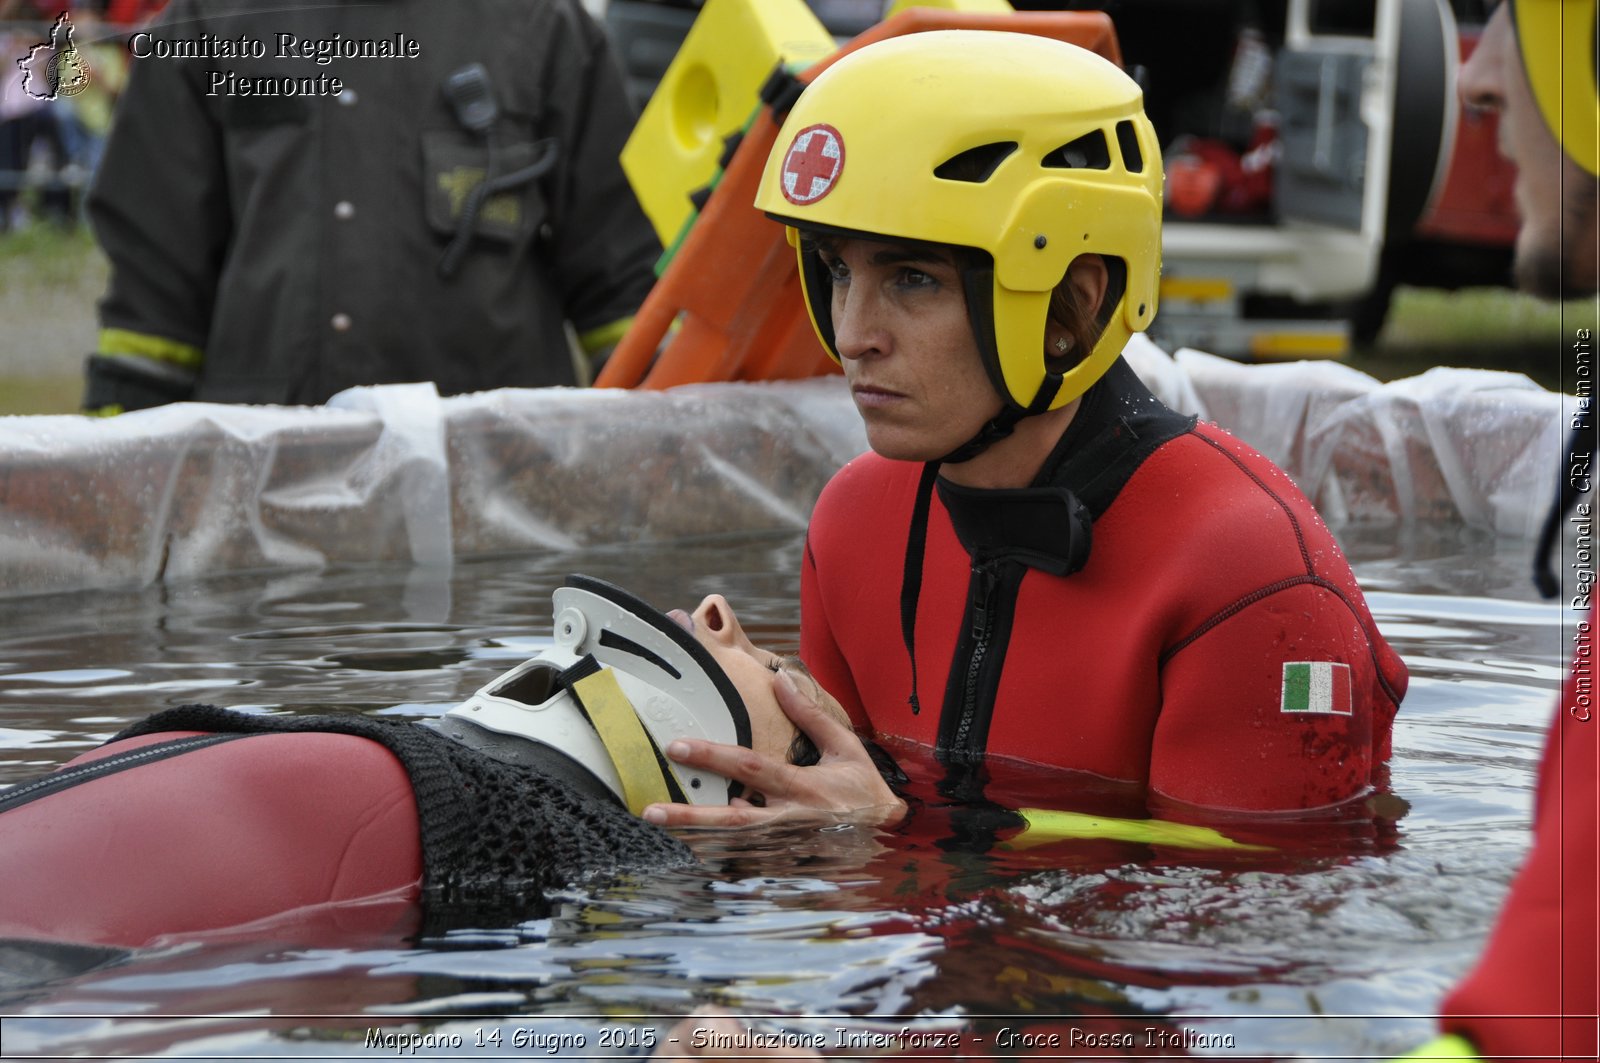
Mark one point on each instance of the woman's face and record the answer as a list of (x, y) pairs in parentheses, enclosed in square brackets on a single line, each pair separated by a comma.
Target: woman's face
[(752, 671), (901, 329)]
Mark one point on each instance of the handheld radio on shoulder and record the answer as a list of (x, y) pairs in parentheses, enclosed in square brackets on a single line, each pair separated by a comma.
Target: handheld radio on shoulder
[(471, 98)]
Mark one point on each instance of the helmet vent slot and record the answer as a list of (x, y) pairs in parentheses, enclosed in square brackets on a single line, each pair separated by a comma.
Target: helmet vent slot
[(1128, 142), (975, 165), (1088, 152)]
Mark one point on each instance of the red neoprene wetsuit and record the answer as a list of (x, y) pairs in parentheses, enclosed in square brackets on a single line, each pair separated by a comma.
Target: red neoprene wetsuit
[(270, 826), (1543, 958), (198, 820), (1162, 662)]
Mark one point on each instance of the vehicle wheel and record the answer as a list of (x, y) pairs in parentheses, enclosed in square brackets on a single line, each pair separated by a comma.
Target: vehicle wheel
[(1368, 313)]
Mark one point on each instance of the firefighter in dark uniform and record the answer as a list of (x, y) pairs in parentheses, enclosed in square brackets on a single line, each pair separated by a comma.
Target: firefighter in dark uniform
[(298, 200)]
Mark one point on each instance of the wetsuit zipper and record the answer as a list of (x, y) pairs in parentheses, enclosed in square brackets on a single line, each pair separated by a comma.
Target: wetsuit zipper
[(55, 782), (975, 677), (984, 583)]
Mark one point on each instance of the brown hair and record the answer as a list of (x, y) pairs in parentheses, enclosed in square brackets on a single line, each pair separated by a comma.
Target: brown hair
[(802, 750), (1068, 312)]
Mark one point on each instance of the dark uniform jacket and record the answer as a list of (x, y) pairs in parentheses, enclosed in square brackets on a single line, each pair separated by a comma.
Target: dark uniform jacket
[(275, 237)]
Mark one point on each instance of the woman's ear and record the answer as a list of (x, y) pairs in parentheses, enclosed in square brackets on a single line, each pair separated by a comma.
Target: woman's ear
[(1089, 279)]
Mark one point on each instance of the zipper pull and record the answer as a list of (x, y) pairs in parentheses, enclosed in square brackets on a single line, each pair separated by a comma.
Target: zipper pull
[(984, 584)]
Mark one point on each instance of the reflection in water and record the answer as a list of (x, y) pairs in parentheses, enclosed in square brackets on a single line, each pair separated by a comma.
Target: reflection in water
[(1331, 942)]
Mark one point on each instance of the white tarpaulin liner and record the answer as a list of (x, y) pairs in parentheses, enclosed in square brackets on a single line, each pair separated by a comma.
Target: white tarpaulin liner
[(1464, 446), (399, 474)]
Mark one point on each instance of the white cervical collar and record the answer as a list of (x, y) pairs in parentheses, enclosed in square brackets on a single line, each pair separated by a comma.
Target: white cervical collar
[(614, 652)]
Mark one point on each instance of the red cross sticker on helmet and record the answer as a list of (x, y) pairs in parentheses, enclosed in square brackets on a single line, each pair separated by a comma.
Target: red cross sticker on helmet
[(813, 164)]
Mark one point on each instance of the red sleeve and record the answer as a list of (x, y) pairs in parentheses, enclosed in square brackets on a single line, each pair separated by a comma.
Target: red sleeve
[(818, 648), (276, 826), (1543, 954), (1286, 682)]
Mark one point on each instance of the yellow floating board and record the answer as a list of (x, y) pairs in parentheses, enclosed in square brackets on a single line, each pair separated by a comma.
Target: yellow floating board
[(709, 93), (1046, 825)]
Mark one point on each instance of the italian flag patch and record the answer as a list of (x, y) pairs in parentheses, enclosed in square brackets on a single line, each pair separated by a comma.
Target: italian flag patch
[(1316, 686)]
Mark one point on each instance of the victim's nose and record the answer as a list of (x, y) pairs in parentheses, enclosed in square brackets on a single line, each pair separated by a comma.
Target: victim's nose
[(716, 618)]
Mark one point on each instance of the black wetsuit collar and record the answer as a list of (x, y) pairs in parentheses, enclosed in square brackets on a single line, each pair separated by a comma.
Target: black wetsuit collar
[(1047, 525), (1046, 528), (1118, 425)]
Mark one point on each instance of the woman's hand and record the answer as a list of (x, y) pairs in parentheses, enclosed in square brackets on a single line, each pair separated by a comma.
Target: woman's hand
[(843, 786)]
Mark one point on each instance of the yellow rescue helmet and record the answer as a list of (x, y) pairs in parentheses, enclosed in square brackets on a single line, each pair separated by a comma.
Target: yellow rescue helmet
[(1558, 42), (1030, 150)]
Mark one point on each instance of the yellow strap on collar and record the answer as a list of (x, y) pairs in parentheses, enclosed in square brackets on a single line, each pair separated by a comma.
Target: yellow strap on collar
[(1047, 825), (625, 739)]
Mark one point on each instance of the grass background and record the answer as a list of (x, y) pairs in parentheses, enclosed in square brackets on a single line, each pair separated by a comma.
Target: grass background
[(50, 280)]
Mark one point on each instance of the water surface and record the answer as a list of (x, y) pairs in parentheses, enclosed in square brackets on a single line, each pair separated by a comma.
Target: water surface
[(1340, 948)]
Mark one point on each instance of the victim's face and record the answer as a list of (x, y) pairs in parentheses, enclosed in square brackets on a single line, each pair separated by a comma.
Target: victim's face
[(901, 328), (752, 670)]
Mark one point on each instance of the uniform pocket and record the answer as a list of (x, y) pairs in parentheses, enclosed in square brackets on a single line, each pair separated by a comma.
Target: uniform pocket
[(453, 165)]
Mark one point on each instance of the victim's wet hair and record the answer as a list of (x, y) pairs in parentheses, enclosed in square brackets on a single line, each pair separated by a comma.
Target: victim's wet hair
[(803, 752)]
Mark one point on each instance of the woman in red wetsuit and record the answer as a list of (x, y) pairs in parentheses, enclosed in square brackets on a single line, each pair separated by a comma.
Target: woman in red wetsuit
[(1039, 565)]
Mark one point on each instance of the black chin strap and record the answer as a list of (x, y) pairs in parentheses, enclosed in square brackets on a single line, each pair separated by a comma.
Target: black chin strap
[(1579, 455), (911, 578), (999, 427)]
